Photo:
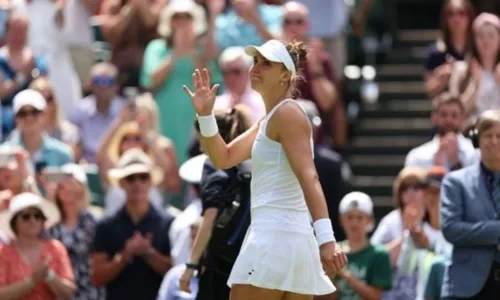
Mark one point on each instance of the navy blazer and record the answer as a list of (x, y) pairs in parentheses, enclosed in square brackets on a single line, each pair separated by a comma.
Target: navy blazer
[(471, 224)]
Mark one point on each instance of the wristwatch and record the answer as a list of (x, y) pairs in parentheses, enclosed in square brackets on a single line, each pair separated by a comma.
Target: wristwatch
[(51, 275)]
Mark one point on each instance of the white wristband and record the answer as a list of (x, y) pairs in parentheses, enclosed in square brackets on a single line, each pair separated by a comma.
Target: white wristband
[(208, 125), (324, 231)]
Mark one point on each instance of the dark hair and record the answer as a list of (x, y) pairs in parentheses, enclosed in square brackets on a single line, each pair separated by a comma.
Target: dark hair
[(298, 52), (12, 222), (232, 122), (445, 99), (444, 39)]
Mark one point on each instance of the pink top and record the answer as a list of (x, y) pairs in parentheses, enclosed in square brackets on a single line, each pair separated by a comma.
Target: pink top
[(250, 98), (13, 268)]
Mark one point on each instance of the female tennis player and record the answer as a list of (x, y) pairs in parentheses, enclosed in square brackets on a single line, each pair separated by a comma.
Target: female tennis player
[(279, 259)]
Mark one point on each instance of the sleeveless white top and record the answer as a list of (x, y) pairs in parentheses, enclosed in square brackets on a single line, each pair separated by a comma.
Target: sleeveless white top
[(273, 182)]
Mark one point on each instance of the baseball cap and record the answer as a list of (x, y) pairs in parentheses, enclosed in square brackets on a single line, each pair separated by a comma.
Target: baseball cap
[(275, 51), (356, 200), (28, 97)]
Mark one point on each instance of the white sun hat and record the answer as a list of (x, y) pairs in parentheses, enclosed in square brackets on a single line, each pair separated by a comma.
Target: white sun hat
[(23, 201), (182, 6), (135, 161), (192, 169), (275, 51)]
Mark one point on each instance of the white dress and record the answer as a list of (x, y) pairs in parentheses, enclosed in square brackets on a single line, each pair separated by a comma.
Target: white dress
[(280, 250)]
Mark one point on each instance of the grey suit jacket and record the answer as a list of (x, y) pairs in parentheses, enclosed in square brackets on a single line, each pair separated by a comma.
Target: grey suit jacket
[(470, 223)]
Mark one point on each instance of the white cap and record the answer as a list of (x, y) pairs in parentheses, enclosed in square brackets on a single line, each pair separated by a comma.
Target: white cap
[(29, 97), (275, 51), (356, 200), (192, 170), (76, 172)]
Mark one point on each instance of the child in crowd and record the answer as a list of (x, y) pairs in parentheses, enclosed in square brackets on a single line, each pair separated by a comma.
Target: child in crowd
[(368, 271)]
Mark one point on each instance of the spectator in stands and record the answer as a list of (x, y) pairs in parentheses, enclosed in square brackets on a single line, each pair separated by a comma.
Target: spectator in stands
[(477, 81), (79, 36), (19, 65), (15, 174), (470, 209), (47, 37), (333, 171), (31, 266), (442, 248), (235, 65), (328, 21), (170, 288), (449, 148), (96, 112), (127, 133), (169, 63), (29, 107), (319, 81), (77, 226), (368, 272), (131, 248), (248, 22), (452, 45), (408, 192), (55, 124), (129, 26), (180, 231)]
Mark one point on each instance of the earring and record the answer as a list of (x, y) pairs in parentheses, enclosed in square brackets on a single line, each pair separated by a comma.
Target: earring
[(282, 83)]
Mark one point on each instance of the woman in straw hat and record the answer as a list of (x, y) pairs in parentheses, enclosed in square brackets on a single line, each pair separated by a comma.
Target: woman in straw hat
[(31, 266), (170, 60), (77, 226), (137, 127)]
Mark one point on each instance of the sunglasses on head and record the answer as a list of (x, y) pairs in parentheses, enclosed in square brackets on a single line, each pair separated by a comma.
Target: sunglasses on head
[(290, 21), (415, 187), (29, 216), (23, 113), (137, 177), (181, 16), (104, 81), (134, 138), (236, 72)]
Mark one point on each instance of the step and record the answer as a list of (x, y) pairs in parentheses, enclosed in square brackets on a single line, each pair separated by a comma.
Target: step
[(395, 123), (382, 142), (413, 55), (401, 104), (384, 113), (395, 70), (401, 95), (394, 87), (374, 185), (376, 165), (419, 35)]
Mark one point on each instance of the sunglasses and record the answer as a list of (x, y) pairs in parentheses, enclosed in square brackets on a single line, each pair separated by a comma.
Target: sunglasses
[(182, 16), (288, 21), (415, 187), (137, 177), (131, 138), (235, 72), (28, 112), (29, 216), (104, 81)]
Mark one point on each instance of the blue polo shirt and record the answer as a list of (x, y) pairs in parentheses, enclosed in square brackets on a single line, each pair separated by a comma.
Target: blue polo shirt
[(53, 153), (137, 280)]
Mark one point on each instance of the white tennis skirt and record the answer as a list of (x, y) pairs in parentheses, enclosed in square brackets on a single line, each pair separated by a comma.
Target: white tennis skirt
[(280, 252)]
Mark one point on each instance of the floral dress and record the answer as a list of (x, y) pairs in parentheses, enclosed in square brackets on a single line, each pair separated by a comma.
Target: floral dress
[(77, 241)]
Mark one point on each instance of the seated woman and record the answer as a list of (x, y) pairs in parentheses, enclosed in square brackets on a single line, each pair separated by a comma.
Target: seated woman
[(32, 266), (136, 127), (77, 226)]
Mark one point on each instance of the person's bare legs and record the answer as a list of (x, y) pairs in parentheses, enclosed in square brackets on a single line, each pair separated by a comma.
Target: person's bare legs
[(293, 296), (250, 292)]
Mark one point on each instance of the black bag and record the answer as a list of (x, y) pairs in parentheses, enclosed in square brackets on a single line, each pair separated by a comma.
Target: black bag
[(232, 222)]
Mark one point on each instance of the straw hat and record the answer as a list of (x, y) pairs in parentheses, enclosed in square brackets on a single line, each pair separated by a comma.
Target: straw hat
[(182, 6), (192, 169), (23, 201), (135, 161), (129, 128)]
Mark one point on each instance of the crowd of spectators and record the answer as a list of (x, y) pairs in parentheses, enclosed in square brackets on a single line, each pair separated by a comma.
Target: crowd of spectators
[(95, 127)]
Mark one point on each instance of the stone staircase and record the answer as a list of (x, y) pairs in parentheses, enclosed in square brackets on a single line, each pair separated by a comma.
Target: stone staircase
[(399, 121)]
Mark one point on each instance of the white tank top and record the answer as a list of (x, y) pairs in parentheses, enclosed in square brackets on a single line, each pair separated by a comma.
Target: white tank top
[(273, 182)]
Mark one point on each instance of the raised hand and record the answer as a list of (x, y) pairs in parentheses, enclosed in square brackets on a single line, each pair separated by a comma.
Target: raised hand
[(203, 98)]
